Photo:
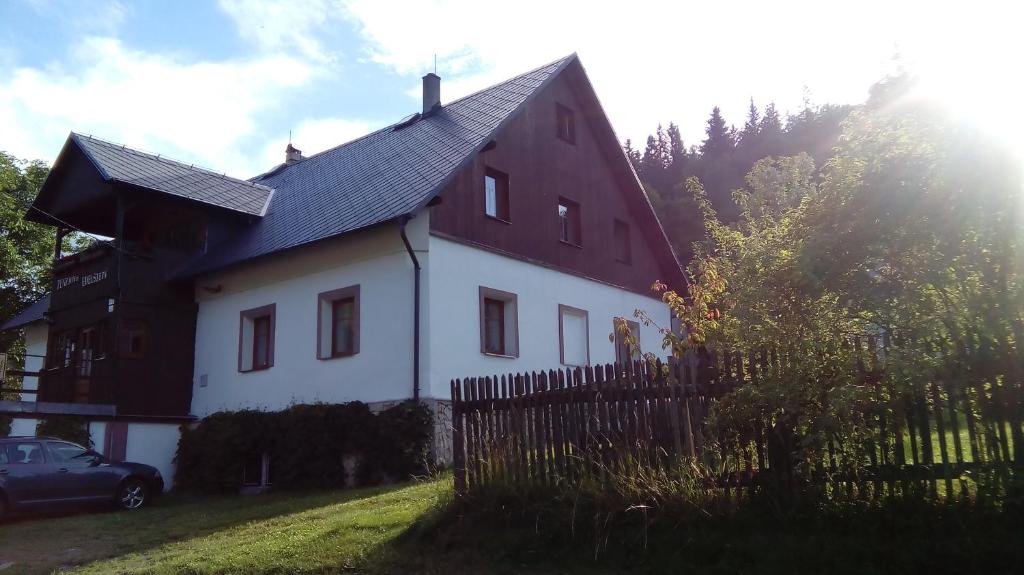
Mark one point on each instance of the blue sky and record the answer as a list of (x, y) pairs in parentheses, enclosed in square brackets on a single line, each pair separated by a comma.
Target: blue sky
[(221, 83)]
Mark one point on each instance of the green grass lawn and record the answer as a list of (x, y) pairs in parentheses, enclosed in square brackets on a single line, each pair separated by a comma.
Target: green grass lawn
[(274, 533), (420, 528)]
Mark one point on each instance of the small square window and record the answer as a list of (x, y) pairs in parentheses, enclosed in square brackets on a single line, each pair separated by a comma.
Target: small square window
[(623, 246), (569, 222), (566, 122), (496, 195), (499, 323), (338, 323), (256, 338)]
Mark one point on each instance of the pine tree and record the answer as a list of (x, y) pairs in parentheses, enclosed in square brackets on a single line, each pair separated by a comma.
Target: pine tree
[(771, 124), (676, 148), (770, 133), (650, 162), (719, 139), (632, 154), (751, 128)]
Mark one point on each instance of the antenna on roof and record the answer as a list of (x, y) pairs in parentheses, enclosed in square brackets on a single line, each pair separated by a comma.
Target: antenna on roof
[(289, 137), (435, 62)]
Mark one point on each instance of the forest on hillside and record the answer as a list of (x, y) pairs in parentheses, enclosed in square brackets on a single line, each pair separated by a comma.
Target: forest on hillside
[(722, 159)]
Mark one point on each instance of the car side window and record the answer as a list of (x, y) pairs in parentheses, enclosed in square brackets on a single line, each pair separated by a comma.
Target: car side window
[(67, 452), (25, 453), (3, 454)]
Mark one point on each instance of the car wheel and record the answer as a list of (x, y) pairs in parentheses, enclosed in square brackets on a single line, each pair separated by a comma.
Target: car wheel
[(132, 494), (3, 507)]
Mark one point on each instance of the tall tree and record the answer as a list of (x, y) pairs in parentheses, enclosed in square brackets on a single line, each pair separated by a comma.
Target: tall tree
[(25, 253), (26, 248), (677, 150), (751, 128), (770, 129), (719, 140), (632, 153)]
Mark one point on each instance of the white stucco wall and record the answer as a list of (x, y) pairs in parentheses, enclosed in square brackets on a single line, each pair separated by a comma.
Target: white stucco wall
[(456, 273), (382, 370), (154, 444), (35, 345), (21, 426), (35, 350)]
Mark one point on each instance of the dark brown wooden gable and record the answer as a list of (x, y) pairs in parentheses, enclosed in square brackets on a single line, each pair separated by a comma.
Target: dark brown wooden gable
[(542, 168)]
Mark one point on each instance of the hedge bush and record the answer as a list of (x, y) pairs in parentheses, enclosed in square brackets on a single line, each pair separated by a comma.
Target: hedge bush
[(307, 444), (73, 429)]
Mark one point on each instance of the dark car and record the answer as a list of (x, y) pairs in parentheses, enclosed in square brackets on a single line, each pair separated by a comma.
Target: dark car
[(37, 472)]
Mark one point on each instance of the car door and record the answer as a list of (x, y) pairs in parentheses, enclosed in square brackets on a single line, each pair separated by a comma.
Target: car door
[(81, 474), (29, 474)]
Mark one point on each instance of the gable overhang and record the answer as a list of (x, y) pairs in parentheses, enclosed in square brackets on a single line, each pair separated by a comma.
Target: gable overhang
[(79, 194), (76, 194)]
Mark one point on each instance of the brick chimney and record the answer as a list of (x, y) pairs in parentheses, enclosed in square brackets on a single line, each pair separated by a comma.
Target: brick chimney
[(292, 154), (431, 93)]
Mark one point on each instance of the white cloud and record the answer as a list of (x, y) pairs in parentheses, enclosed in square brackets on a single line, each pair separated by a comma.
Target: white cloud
[(313, 136), (666, 60), (194, 111), (289, 26)]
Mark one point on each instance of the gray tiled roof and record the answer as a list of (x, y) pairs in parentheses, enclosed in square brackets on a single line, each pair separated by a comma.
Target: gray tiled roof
[(122, 164), (28, 315), (376, 178)]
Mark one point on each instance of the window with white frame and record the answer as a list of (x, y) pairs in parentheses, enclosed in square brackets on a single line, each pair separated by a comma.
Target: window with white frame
[(573, 336)]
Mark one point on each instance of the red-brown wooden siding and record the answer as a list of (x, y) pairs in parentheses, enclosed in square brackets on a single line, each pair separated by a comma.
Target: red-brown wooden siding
[(541, 168)]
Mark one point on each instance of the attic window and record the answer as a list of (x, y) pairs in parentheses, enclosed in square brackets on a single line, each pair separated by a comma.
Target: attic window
[(569, 222), (566, 123), (496, 196)]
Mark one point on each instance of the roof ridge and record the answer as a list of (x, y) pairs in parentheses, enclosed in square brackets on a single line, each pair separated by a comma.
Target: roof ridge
[(169, 160), (513, 78), (277, 169)]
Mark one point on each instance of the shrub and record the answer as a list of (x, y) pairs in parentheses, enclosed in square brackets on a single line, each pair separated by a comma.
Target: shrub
[(308, 445), (74, 429)]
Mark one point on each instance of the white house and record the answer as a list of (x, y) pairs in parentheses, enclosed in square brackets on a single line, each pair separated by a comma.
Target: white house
[(501, 232)]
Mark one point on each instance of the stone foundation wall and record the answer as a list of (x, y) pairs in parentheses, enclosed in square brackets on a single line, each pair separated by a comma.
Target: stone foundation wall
[(441, 446)]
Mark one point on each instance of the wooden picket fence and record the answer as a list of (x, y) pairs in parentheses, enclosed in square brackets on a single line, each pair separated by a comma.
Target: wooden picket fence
[(944, 438)]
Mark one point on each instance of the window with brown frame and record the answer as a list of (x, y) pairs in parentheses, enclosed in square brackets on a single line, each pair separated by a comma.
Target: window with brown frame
[(623, 245), (569, 222), (499, 323), (256, 338), (497, 203), (573, 336), (624, 351), (338, 323), (566, 123)]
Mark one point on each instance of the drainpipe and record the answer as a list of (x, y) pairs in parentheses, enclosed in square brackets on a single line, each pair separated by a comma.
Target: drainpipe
[(416, 311)]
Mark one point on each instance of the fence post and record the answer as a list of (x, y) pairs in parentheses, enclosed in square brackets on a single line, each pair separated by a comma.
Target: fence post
[(458, 440)]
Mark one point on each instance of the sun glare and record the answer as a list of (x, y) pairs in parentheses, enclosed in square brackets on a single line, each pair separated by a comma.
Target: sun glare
[(976, 76)]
